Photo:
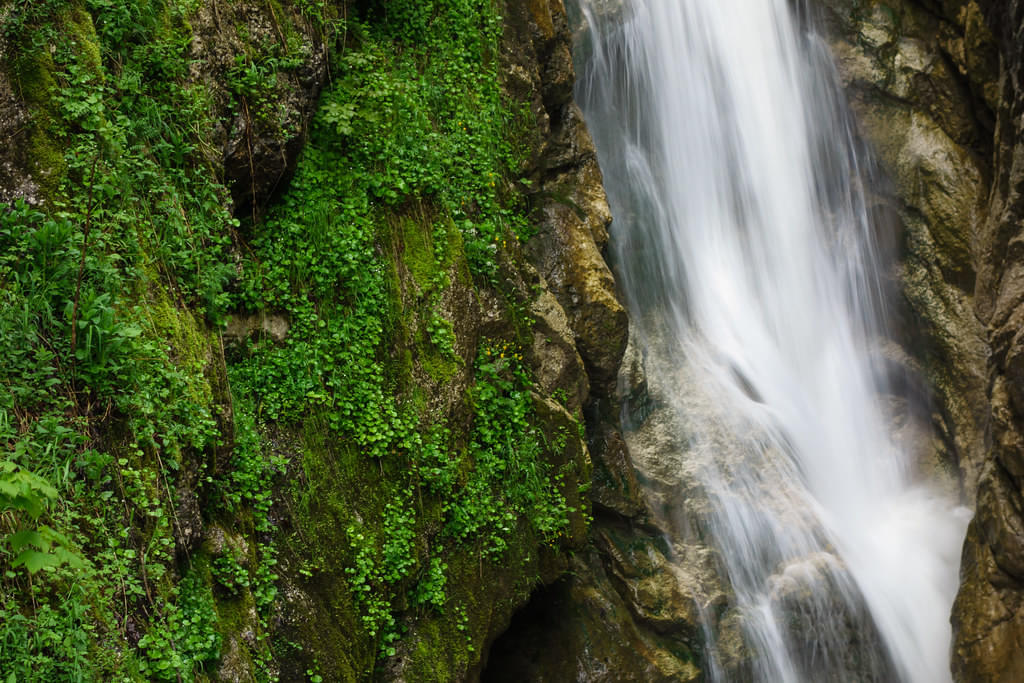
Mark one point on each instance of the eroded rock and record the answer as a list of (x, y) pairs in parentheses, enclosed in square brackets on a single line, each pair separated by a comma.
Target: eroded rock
[(571, 207), (939, 89), (266, 111), (905, 70), (621, 616), (240, 327)]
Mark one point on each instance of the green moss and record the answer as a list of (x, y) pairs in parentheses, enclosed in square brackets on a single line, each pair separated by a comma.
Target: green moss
[(392, 220), (78, 27), (439, 367), (236, 616), (33, 79), (33, 75), (191, 344), (336, 487), (417, 250), (47, 159)]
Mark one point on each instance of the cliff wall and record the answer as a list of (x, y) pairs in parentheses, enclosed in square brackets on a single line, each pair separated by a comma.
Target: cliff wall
[(304, 303), (937, 87)]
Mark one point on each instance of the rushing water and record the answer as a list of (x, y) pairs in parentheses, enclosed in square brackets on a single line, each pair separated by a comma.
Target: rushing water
[(745, 251)]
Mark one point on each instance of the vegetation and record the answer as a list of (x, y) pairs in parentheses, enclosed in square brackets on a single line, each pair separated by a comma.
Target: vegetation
[(125, 427)]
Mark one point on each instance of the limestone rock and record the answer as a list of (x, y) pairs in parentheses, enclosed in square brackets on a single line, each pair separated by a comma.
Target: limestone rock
[(987, 618), (264, 129), (16, 179), (240, 327), (904, 67), (559, 366), (864, 659), (570, 203), (596, 625), (939, 89), (615, 486)]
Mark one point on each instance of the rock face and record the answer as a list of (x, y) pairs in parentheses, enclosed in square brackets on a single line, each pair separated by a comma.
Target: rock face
[(988, 617), (265, 113), (579, 334), (569, 199), (938, 87), (262, 114), (587, 628), (939, 91), (15, 178), (260, 68), (627, 610), (920, 86)]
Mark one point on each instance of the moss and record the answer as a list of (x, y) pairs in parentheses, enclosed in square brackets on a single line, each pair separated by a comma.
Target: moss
[(334, 486), (191, 343), (417, 249), (325, 464), (427, 251), (77, 25), (32, 76), (324, 624), (237, 616), (483, 596), (32, 72), (340, 487), (457, 255), (439, 367), (47, 159)]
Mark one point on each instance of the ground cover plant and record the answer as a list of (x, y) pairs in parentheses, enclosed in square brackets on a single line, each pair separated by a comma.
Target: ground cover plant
[(125, 426)]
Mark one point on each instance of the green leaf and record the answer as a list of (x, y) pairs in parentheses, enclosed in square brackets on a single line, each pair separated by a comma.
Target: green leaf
[(26, 537), (34, 561)]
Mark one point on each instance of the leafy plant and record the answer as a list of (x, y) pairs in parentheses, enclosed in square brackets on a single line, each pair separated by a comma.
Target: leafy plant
[(509, 480), (187, 638), (25, 494), (229, 574)]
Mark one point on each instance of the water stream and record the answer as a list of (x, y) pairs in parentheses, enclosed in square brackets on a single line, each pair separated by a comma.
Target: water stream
[(744, 248)]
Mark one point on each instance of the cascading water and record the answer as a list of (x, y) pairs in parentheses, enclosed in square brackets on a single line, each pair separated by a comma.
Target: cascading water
[(744, 248)]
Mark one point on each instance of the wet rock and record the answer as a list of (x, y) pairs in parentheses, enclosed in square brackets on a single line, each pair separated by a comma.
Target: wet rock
[(807, 594), (615, 486), (939, 88), (607, 623), (987, 617), (237, 614), (241, 327), (570, 206), (263, 125), (671, 441), (905, 68), (567, 454), (654, 585), (235, 666), (559, 366), (1000, 521)]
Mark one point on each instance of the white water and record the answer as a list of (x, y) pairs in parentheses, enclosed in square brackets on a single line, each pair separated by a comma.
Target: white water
[(745, 252)]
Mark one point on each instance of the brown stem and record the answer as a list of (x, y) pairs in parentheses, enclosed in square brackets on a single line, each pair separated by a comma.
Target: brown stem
[(252, 167), (81, 260)]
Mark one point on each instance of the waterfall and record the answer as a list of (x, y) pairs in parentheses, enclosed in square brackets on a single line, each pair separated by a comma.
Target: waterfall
[(745, 249)]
